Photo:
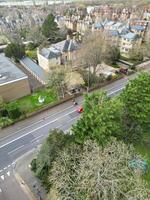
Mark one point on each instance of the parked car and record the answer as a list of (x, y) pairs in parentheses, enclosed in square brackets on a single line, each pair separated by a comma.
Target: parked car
[(123, 70)]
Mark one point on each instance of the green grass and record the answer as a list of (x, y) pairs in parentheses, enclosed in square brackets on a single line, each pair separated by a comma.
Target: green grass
[(30, 103), (144, 149)]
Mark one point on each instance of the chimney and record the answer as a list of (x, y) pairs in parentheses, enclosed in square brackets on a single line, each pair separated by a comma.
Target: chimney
[(68, 37)]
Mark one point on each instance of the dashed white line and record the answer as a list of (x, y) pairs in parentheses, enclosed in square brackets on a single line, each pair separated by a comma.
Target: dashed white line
[(36, 129), (40, 136), (15, 150)]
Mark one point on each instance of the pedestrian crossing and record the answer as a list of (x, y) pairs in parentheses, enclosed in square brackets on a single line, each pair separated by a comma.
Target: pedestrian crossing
[(6, 172)]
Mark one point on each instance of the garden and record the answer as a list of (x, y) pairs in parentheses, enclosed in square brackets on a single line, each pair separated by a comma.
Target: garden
[(19, 109)]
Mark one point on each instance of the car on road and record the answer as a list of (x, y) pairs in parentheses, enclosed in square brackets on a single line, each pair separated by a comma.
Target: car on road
[(80, 109)]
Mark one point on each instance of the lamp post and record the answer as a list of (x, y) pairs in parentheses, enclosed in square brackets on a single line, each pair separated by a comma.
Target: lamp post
[(88, 79)]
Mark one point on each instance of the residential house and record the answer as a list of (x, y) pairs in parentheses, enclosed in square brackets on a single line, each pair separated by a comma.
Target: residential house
[(146, 16), (128, 42), (139, 30), (59, 53), (13, 82)]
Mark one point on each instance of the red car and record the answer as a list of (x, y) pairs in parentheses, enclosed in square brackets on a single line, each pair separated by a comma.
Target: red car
[(80, 109)]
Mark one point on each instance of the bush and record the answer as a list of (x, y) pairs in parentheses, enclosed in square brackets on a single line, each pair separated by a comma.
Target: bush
[(13, 111), (5, 121), (55, 142), (33, 165)]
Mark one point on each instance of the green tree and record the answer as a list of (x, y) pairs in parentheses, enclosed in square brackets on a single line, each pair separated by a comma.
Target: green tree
[(55, 142), (93, 173), (50, 27), (15, 51), (136, 101), (57, 80), (100, 120)]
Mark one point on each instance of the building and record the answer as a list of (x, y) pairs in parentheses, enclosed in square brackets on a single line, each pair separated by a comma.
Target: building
[(57, 54), (13, 82), (128, 42), (35, 70)]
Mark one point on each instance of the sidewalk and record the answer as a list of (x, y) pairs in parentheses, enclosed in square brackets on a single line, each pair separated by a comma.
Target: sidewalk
[(29, 182)]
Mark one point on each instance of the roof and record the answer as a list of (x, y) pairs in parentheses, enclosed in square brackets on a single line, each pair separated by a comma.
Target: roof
[(138, 28), (66, 45), (35, 69), (9, 72), (118, 24), (50, 53), (109, 23), (147, 14), (98, 25), (130, 36), (113, 33)]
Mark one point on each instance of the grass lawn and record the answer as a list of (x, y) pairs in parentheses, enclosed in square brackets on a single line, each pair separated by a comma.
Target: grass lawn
[(30, 103), (144, 149)]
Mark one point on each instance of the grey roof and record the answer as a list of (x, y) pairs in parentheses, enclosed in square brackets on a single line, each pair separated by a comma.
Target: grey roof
[(9, 71), (66, 45), (50, 53), (35, 69), (130, 36)]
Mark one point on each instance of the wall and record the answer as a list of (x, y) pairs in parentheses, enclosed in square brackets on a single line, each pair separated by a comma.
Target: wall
[(15, 90), (46, 64)]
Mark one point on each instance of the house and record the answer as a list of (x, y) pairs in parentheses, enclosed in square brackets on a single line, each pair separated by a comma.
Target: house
[(146, 16), (128, 42), (13, 82), (59, 53), (139, 30), (48, 57)]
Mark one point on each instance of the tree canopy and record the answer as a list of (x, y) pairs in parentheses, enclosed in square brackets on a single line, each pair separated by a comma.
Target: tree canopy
[(95, 49), (50, 27), (136, 101), (100, 120), (15, 51), (92, 173), (55, 142)]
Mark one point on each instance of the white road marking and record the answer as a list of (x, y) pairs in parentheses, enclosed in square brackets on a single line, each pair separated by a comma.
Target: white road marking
[(15, 150), (0, 190), (41, 120), (36, 138), (8, 173), (36, 129), (2, 177), (1, 170), (116, 91)]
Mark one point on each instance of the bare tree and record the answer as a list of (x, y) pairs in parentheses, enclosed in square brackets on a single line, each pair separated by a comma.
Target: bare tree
[(94, 173), (96, 48)]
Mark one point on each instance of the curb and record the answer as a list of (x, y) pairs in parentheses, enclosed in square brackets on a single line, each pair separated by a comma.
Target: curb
[(24, 187)]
